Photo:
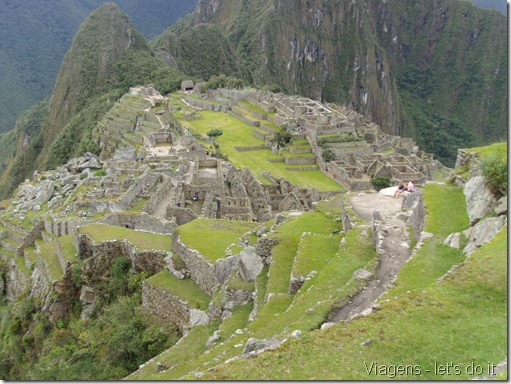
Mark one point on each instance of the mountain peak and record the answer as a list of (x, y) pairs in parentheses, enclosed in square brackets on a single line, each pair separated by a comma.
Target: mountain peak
[(88, 67)]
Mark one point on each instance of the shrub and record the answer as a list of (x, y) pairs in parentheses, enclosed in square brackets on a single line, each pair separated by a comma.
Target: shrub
[(282, 139), (328, 155), (76, 275), (215, 133), (100, 172), (494, 170), (380, 182)]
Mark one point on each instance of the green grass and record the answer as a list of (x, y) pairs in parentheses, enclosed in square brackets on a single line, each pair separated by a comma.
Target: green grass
[(67, 248), (239, 134), (142, 240), (238, 320), (31, 254), (48, 253), (20, 265), (284, 252), (256, 108), (500, 147), (139, 204), (462, 320), (190, 346), (185, 289), (446, 213), (236, 282), (211, 237), (313, 253)]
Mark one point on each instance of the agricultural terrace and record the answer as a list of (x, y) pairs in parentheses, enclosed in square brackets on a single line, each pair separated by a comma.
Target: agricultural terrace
[(239, 134), (212, 237), (142, 240)]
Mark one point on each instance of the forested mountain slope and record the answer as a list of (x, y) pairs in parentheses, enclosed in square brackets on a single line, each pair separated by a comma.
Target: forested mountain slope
[(35, 35), (432, 70)]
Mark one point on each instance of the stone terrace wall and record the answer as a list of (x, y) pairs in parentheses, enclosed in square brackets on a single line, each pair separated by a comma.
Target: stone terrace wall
[(202, 271), (63, 226), (134, 190), (140, 221), (99, 257), (165, 305)]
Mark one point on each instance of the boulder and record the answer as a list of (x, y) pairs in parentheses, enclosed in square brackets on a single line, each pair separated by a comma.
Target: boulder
[(88, 160), (256, 345), (362, 274), (250, 264), (225, 266), (453, 240), (501, 208), (483, 232), (411, 200), (480, 200), (198, 317), (213, 339)]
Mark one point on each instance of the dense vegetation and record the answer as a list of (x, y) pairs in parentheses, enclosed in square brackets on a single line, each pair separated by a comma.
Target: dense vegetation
[(116, 340)]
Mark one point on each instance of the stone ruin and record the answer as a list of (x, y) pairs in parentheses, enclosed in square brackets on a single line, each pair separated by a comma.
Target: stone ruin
[(153, 175), (347, 147)]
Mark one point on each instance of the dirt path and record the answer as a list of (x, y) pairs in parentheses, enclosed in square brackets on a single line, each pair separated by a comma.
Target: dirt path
[(395, 246)]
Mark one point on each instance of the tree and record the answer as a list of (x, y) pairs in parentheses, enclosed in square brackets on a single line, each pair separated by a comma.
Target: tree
[(214, 133), (380, 182)]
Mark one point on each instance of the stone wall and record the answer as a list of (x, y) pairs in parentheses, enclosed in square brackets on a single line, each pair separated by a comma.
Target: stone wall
[(140, 221), (264, 247), (300, 160), (417, 219), (99, 257), (157, 197), (165, 305), (259, 134), (180, 215), (30, 237), (202, 271), (134, 190), (249, 148)]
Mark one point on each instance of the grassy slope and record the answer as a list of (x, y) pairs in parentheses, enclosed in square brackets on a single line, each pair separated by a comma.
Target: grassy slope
[(185, 289), (446, 214), (304, 310), (461, 320)]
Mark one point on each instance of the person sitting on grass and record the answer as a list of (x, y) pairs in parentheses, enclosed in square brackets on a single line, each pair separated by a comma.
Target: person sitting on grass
[(400, 188)]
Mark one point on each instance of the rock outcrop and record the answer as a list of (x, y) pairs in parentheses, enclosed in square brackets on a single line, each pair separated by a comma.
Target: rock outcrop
[(480, 200)]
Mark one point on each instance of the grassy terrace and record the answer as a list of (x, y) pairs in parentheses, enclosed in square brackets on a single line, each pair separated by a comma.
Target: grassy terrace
[(446, 214), (255, 108), (48, 252), (211, 237), (434, 323), (304, 311), (284, 252), (142, 240), (239, 134), (67, 248), (423, 329), (185, 289), (314, 252)]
